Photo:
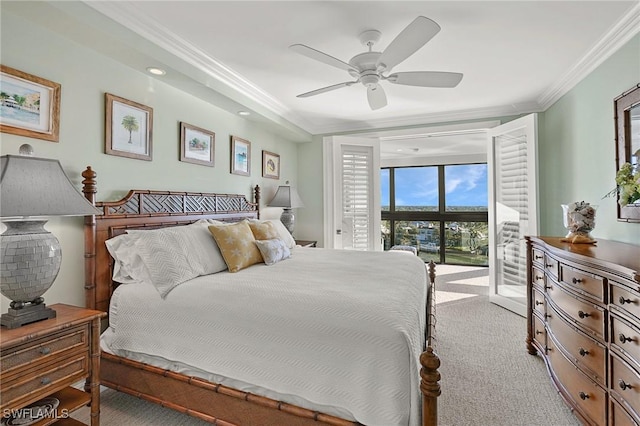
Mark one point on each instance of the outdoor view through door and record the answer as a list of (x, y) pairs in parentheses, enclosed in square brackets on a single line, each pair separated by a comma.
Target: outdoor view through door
[(440, 210)]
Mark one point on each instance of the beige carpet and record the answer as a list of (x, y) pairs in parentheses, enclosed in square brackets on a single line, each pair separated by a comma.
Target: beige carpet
[(488, 378)]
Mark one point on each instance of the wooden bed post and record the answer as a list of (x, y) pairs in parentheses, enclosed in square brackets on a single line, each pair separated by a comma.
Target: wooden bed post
[(429, 374), (89, 190), (256, 198)]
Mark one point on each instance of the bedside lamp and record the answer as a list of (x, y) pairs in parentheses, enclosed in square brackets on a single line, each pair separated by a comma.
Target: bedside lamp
[(32, 189), (288, 198)]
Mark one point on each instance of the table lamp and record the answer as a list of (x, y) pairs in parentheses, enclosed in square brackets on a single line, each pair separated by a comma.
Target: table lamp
[(288, 198), (32, 189)]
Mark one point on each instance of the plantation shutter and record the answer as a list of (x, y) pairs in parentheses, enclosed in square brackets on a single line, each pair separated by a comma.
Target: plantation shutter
[(357, 197), (514, 204)]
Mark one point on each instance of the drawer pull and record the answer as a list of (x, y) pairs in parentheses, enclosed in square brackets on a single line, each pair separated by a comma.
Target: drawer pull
[(538, 257), (583, 352), (539, 277), (583, 396), (45, 351), (538, 303), (583, 315), (623, 300), (548, 265), (45, 381), (539, 332), (576, 280), (623, 385), (624, 339)]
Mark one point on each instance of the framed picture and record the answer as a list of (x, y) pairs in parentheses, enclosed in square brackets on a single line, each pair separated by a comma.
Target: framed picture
[(270, 165), (196, 145), (240, 156), (30, 105), (128, 128)]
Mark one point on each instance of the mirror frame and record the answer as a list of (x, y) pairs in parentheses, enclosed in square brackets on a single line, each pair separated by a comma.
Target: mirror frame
[(622, 118)]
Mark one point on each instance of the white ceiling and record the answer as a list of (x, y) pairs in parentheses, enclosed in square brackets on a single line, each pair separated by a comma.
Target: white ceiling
[(516, 56)]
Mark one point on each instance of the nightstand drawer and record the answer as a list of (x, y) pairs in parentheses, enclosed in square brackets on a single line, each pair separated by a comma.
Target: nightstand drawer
[(44, 349), (49, 378)]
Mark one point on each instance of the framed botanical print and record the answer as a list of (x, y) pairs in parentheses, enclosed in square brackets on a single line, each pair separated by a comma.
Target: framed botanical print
[(128, 128), (240, 156), (197, 145), (270, 165), (29, 105)]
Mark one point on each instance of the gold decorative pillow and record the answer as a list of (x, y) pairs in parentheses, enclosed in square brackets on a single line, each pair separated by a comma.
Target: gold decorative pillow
[(237, 245), (264, 230)]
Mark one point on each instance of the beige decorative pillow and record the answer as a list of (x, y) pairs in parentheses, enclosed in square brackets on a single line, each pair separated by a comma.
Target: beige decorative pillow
[(237, 245), (264, 230)]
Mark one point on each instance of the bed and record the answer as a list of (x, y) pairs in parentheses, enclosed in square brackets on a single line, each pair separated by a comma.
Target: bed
[(267, 382)]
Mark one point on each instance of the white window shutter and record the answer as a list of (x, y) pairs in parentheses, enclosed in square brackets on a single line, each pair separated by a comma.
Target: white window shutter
[(357, 200)]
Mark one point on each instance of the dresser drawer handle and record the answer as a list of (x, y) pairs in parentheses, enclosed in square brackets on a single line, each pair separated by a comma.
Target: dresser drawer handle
[(539, 277), (624, 339), (583, 396), (45, 381), (623, 300), (538, 257), (583, 352), (583, 315), (45, 351), (623, 385), (538, 303), (576, 280), (548, 265), (539, 332)]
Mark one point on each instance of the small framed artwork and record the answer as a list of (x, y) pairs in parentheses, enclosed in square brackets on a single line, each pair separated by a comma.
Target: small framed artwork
[(128, 128), (240, 156), (270, 165), (30, 105), (196, 145)]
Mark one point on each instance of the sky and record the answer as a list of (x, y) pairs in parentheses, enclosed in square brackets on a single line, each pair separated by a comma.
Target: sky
[(466, 185)]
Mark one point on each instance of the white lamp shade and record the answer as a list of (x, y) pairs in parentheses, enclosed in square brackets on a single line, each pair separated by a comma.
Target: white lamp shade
[(38, 187), (286, 197)]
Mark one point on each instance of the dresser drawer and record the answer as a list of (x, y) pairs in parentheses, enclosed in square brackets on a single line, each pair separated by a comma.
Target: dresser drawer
[(539, 332), (537, 256), (551, 266), (619, 416), (625, 337), (584, 314), (590, 398), (625, 382), (538, 303), (587, 354), (44, 349), (44, 380), (537, 278), (624, 299), (583, 282)]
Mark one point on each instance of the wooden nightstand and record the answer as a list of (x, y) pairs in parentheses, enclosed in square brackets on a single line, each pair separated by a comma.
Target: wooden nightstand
[(306, 243), (45, 358)]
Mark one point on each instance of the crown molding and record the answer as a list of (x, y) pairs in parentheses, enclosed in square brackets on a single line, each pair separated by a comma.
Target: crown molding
[(616, 37)]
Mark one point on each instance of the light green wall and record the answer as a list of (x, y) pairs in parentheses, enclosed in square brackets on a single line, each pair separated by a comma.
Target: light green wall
[(85, 76), (577, 147)]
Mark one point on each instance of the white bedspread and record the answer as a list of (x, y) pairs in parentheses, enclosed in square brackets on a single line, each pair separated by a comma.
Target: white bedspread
[(341, 329)]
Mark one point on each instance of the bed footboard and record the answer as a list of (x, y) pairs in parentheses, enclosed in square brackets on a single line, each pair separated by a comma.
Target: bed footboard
[(429, 374)]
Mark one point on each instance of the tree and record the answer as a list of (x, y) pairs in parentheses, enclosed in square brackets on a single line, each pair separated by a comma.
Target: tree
[(130, 123)]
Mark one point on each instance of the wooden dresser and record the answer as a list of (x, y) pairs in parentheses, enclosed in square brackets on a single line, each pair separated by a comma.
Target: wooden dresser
[(45, 358), (583, 318)]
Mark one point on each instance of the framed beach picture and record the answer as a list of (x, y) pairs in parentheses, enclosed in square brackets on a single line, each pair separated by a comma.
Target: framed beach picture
[(196, 145), (128, 128), (240, 156), (270, 165), (30, 105)]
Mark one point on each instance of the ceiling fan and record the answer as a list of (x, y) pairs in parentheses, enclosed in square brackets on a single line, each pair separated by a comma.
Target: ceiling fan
[(369, 68)]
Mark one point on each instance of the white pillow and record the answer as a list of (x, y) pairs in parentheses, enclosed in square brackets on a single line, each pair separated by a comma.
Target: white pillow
[(128, 267), (273, 251), (283, 232)]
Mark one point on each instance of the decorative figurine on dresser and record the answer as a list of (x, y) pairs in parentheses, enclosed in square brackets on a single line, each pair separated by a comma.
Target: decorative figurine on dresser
[(583, 319)]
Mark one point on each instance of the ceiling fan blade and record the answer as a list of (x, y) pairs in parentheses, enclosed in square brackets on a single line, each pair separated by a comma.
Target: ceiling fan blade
[(321, 56), (426, 78), (326, 89), (412, 38), (376, 97)]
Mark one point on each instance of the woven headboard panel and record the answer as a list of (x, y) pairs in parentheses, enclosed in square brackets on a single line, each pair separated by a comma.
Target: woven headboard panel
[(146, 210)]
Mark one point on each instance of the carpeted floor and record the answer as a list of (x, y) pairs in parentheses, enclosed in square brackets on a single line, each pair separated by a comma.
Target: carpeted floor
[(488, 378)]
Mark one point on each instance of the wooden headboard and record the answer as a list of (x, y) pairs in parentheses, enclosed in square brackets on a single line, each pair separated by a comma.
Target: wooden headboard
[(146, 210)]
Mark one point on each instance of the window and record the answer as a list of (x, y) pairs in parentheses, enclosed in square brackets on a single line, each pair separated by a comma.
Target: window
[(440, 210)]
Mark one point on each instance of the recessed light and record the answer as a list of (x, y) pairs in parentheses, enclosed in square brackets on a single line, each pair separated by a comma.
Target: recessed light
[(156, 71), (245, 113)]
